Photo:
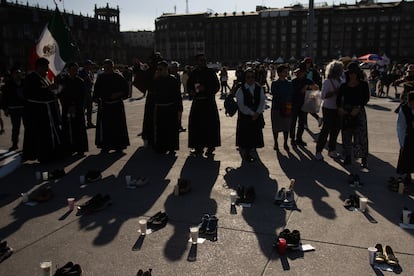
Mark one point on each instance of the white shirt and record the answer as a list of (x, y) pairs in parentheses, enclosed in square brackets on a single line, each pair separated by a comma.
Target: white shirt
[(240, 100), (330, 85)]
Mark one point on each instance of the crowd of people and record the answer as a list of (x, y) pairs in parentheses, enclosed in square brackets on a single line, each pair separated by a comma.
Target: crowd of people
[(56, 115)]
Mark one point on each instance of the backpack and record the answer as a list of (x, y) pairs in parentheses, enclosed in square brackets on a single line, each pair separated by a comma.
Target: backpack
[(230, 105)]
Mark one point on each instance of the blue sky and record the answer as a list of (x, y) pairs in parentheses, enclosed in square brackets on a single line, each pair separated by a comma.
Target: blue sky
[(140, 14)]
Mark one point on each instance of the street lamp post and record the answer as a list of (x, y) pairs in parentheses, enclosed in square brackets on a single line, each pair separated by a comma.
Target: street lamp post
[(309, 34)]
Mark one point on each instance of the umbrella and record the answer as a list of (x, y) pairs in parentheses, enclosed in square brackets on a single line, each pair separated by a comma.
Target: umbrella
[(370, 58)]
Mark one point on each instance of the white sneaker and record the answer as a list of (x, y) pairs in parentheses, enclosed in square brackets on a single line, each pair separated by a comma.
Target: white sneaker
[(318, 156), (334, 154)]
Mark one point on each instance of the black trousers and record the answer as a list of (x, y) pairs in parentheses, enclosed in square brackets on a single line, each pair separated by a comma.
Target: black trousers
[(331, 127), (16, 116), (300, 117)]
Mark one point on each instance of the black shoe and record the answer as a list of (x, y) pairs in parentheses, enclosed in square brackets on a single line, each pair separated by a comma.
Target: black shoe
[(64, 269), (158, 221), (211, 228), (203, 224), (286, 147), (280, 196), (13, 148), (293, 240), (87, 205), (5, 253), (293, 143), (181, 129)]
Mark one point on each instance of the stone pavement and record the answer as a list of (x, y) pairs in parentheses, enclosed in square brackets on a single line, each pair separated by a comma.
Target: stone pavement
[(102, 242)]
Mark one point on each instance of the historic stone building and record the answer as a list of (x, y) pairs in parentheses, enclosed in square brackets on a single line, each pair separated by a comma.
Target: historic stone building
[(98, 36), (339, 30)]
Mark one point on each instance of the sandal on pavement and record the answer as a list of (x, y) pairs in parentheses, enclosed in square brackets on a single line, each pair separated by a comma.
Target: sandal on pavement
[(391, 259), (379, 257)]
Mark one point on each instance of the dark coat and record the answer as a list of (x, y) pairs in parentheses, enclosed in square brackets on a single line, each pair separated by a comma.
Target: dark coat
[(42, 136), (204, 121), (111, 127)]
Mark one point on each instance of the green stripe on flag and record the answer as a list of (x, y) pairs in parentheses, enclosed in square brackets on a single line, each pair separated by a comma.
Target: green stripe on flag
[(61, 34)]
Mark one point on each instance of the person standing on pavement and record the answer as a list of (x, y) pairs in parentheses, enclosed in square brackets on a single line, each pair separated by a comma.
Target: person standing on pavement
[(282, 91), (331, 120), (351, 100), (300, 85), (405, 131), (204, 121), (109, 92), (13, 103), (167, 107), (42, 135), (72, 99), (173, 71), (87, 75), (250, 122)]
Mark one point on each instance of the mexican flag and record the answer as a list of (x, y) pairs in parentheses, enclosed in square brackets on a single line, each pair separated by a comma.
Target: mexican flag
[(55, 44)]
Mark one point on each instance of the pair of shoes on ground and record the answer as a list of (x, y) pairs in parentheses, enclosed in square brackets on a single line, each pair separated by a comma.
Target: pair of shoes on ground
[(208, 226), (93, 176), (200, 151), (5, 251), (95, 204), (138, 182), (292, 239), (385, 255), (352, 202), (182, 187), (69, 269), (285, 198), (42, 193), (158, 221), (393, 184), (144, 273), (354, 180), (245, 195)]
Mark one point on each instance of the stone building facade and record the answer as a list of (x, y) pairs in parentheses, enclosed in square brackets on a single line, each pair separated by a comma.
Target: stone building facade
[(97, 37), (339, 30)]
